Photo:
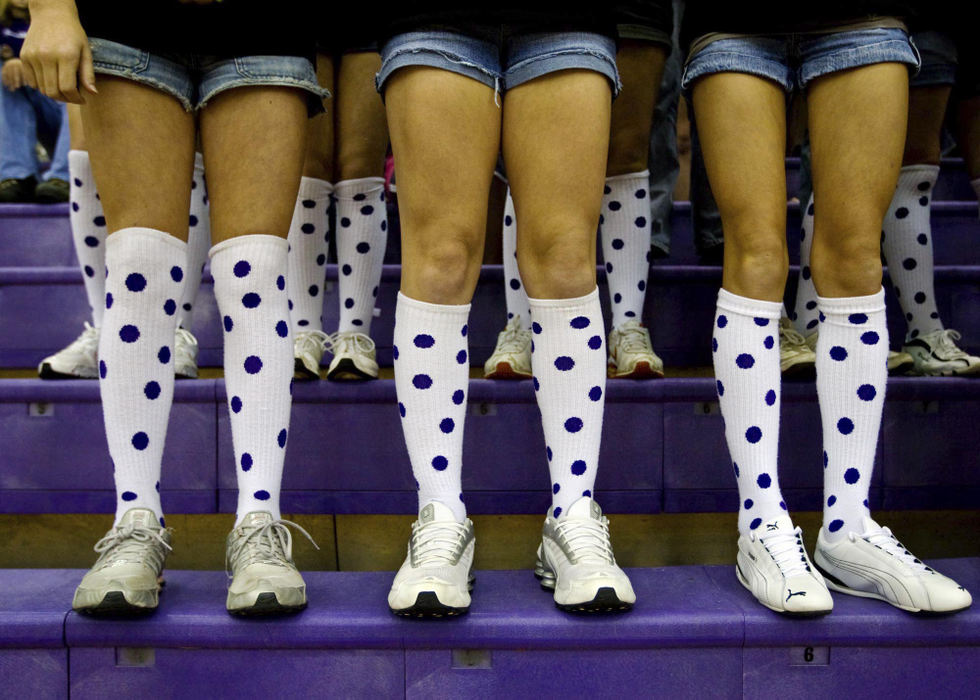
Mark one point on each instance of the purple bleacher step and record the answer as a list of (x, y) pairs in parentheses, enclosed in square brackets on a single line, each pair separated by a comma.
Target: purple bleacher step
[(694, 632), (47, 307), (663, 449)]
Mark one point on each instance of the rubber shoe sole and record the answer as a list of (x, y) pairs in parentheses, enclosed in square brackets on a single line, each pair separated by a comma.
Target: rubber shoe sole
[(301, 372), (642, 370), (504, 370), (605, 600), (45, 371), (115, 603), (428, 606), (268, 605), (346, 370)]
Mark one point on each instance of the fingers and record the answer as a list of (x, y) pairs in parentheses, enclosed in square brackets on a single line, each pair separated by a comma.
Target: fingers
[(86, 71), (30, 75), (68, 83), (49, 80)]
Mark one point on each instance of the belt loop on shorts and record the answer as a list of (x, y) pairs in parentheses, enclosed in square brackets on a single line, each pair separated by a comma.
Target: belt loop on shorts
[(496, 90)]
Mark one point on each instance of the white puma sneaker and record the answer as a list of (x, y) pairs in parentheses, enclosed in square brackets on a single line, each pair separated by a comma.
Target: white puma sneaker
[(775, 568), (80, 360), (308, 347), (576, 561), (937, 355), (873, 564)]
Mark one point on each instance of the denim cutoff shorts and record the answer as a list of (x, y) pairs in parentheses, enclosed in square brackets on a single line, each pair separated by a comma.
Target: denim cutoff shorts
[(194, 79), (793, 60), (502, 59), (939, 59)]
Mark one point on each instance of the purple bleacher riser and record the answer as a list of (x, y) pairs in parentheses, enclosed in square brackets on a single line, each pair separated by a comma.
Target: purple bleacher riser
[(661, 673), (60, 460), (931, 497), (222, 673), (722, 500), (35, 234), (48, 306), (30, 674)]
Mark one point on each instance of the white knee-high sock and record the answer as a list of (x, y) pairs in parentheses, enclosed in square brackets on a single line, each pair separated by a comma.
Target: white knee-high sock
[(250, 288), (145, 280), (746, 360), (88, 231), (626, 243), (805, 310), (308, 254), (362, 236), (198, 243), (431, 380), (907, 245), (569, 364), (852, 353), (514, 293)]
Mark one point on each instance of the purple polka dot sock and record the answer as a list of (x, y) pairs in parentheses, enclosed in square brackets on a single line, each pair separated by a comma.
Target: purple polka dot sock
[(569, 363), (308, 254), (514, 293), (431, 379), (88, 231), (625, 226), (198, 243), (250, 288), (852, 372), (746, 359), (907, 245), (362, 235), (805, 311), (145, 280)]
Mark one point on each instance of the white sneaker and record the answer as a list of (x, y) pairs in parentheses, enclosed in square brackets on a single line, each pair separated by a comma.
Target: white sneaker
[(575, 560), (796, 356), (899, 363), (79, 360), (264, 579), (126, 578), (631, 354), (185, 354), (308, 347), (775, 568), (876, 565), (353, 357), (436, 578), (511, 359), (936, 355)]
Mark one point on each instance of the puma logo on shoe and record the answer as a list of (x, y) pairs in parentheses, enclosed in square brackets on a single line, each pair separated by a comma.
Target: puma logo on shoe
[(772, 526), (791, 594)]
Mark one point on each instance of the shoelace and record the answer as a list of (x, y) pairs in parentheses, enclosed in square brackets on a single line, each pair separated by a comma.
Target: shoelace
[(790, 337), (885, 540), (633, 337), (128, 543), (786, 549), (945, 346), (436, 542), (587, 538), (188, 345), (266, 544), (308, 342), (87, 342), (350, 342), (513, 339)]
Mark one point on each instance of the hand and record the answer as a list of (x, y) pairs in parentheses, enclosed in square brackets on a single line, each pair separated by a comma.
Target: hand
[(13, 74), (56, 54)]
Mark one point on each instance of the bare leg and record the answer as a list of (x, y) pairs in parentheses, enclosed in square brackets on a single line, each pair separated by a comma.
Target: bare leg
[(968, 120), (362, 129), (641, 68), (927, 110), (320, 143)]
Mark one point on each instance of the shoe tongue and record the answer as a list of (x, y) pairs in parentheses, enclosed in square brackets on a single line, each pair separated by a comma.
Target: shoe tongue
[(435, 511), (869, 527), (585, 508), (256, 519), (140, 517), (781, 525)]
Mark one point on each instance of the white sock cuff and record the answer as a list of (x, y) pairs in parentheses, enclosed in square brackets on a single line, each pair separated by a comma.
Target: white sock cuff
[(911, 176), (348, 189), (448, 309), (78, 160), (314, 187), (748, 306), (872, 303), (574, 303), (142, 236), (642, 175), (198, 163), (273, 242)]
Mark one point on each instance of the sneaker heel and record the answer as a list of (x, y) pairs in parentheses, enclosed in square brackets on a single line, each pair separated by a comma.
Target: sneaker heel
[(545, 575)]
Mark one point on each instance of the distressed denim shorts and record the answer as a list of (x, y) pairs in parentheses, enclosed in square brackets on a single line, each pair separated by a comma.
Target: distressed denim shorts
[(501, 59), (793, 60), (194, 80), (939, 59)]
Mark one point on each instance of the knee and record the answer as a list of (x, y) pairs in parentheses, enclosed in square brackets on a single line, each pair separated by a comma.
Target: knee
[(629, 150), (558, 266), (847, 266), (756, 265), (441, 267), (354, 164)]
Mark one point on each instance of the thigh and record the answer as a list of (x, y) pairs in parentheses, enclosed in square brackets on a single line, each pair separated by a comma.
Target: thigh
[(927, 112), (641, 67), (141, 146), (254, 141), (320, 130), (359, 115)]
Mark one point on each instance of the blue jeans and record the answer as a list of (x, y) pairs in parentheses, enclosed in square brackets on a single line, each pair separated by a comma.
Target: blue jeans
[(28, 116)]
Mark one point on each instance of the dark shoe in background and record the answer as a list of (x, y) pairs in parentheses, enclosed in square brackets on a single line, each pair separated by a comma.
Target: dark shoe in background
[(17, 190), (53, 191)]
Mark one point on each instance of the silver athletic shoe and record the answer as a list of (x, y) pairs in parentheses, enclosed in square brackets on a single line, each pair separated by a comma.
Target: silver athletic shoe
[(185, 354), (308, 347), (436, 578), (80, 360), (259, 556), (126, 578), (354, 357)]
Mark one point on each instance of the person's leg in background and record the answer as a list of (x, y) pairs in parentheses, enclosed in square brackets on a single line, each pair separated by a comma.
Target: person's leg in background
[(18, 138), (53, 187)]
